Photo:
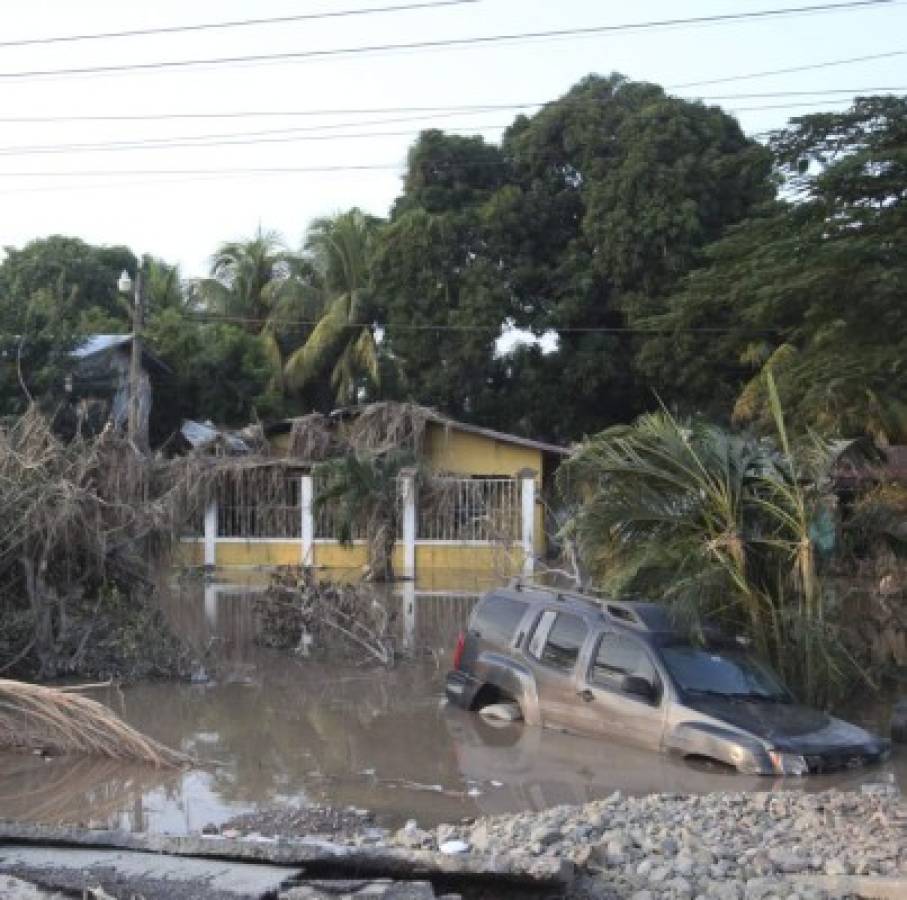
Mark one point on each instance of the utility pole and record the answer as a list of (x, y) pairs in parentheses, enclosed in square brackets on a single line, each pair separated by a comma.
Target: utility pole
[(135, 427)]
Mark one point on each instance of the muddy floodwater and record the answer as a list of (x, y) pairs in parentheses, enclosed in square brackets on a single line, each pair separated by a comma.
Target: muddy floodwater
[(272, 728)]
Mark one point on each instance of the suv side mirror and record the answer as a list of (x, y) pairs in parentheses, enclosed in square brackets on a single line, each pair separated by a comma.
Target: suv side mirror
[(639, 687)]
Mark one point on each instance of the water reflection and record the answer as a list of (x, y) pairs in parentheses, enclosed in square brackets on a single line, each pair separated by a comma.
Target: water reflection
[(274, 728)]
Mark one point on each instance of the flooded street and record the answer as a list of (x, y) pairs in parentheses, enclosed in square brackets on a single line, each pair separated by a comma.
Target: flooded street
[(273, 728)]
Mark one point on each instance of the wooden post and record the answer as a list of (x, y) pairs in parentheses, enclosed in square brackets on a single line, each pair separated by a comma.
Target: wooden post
[(137, 431), (408, 492), (527, 505), (307, 527)]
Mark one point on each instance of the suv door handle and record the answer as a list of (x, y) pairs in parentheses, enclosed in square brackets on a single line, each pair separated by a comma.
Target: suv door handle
[(587, 695)]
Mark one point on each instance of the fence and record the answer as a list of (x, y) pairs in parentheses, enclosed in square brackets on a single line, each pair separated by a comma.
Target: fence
[(469, 510), (274, 506), (256, 504)]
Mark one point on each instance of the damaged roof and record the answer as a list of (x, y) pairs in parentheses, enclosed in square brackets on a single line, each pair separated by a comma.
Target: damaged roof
[(434, 416)]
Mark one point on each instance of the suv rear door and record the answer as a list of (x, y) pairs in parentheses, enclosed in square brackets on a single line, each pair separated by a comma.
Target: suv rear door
[(554, 648), (493, 626), (605, 708)]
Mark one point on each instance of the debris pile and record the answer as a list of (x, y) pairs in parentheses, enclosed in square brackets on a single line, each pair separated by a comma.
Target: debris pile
[(299, 611)]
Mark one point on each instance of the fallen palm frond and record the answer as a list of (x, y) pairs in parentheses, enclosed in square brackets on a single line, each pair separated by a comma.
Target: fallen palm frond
[(34, 717), (384, 427)]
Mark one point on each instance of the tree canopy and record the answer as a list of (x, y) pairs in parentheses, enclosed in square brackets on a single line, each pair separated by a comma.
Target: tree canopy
[(663, 255), (811, 286)]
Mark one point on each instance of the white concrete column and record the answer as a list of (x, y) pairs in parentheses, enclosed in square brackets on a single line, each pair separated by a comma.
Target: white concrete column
[(527, 505), (211, 592), (211, 534), (408, 493), (307, 511), (409, 614)]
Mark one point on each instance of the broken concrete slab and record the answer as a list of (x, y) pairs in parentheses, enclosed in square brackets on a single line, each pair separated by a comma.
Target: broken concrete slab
[(16, 889), (316, 857), (143, 874), (361, 890)]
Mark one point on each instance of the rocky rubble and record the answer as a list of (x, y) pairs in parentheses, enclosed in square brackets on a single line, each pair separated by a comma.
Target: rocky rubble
[(729, 846)]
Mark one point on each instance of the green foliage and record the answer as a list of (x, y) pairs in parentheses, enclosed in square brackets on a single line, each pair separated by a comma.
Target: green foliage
[(594, 207), (877, 524), (219, 372), (812, 288), (53, 292), (720, 525), (361, 490)]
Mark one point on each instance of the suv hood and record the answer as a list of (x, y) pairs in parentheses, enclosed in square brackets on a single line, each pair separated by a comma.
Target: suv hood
[(789, 726)]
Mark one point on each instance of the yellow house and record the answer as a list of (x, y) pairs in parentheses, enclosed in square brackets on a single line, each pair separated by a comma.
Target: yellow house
[(482, 509)]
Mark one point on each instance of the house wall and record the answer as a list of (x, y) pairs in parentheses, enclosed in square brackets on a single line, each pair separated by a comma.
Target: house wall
[(436, 558), (446, 449)]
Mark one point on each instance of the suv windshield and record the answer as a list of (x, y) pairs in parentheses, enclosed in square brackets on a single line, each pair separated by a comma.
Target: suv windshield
[(723, 672)]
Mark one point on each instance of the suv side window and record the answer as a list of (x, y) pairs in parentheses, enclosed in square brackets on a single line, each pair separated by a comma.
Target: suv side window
[(563, 640), (617, 656), (497, 619)]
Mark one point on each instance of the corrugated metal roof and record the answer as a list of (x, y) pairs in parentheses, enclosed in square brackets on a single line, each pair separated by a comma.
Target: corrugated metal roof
[(101, 343), (98, 343)]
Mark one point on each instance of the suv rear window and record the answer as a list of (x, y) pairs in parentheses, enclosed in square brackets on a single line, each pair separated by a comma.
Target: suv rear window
[(564, 640), (497, 619)]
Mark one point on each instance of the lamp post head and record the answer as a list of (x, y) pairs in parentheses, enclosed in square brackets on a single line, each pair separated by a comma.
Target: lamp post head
[(124, 282)]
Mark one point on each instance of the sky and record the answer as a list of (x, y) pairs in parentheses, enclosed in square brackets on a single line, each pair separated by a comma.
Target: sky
[(49, 186)]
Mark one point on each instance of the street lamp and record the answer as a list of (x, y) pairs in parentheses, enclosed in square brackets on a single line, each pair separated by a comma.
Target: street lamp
[(124, 283), (136, 430)]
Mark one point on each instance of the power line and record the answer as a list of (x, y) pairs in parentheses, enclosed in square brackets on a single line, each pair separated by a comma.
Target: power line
[(312, 133), (447, 42), (236, 23), (293, 135), (235, 140), (375, 110), (429, 111), (214, 318), (261, 170), (805, 68), (278, 170)]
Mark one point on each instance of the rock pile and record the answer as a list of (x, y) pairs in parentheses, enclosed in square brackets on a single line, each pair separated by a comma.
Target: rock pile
[(737, 846)]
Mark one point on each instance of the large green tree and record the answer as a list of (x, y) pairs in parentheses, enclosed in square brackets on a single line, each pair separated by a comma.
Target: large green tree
[(812, 287), (440, 285), (53, 292), (590, 212)]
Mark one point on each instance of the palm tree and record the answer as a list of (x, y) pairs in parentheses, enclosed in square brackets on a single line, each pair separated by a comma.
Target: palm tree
[(722, 525), (163, 286), (257, 283), (361, 490), (342, 342)]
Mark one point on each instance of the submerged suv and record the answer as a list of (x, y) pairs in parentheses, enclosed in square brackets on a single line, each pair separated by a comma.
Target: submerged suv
[(626, 671)]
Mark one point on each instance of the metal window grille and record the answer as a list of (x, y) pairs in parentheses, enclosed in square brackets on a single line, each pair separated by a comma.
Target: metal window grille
[(486, 510), (327, 515), (259, 503)]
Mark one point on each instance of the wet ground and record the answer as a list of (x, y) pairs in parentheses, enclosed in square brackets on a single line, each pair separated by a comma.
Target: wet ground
[(272, 730)]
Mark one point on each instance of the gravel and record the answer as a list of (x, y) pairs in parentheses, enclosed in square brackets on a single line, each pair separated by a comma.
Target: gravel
[(730, 846), (744, 846)]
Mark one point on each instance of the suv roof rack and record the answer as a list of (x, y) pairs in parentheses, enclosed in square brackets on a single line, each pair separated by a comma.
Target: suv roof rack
[(634, 613)]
